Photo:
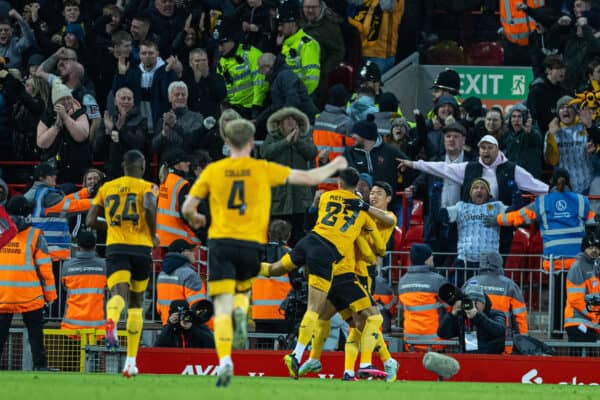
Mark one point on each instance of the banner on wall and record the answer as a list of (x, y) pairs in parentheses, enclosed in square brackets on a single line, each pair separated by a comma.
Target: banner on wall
[(473, 368)]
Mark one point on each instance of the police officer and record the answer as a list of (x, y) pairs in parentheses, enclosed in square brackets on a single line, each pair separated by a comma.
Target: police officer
[(246, 88), (300, 50)]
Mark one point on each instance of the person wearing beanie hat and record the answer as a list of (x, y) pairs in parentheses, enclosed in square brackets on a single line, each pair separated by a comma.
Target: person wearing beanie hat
[(522, 140), (74, 36), (34, 61), (300, 50), (421, 254), (60, 91), (338, 95), (479, 328), (365, 130), (567, 143)]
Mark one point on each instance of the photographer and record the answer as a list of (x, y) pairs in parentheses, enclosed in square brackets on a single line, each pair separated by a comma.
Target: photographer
[(581, 322), (185, 328), (479, 328)]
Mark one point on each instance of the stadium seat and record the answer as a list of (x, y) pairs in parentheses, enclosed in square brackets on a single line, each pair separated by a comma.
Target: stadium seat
[(416, 213), (520, 245), (485, 53)]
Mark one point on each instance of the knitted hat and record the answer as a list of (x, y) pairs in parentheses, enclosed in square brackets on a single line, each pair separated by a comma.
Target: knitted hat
[(363, 176), (19, 205), (179, 245), (35, 60), (419, 253), (176, 156), (338, 95), (59, 91), (76, 30), (388, 102), (475, 292), (564, 101), (480, 180), (473, 106), (43, 170), (366, 129)]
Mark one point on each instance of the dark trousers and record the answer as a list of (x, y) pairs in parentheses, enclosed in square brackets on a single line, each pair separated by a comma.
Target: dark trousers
[(560, 297), (34, 322), (575, 335)]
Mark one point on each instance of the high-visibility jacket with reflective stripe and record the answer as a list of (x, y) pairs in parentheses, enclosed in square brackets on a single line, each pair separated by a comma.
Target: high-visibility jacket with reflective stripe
[(582, 279), (515, 23), (84, 278), (302, 54), (418, 294), (506, 297), (246, 87), (53, 220), (330, 133), (26, 278), (561, 217), (169, 225), (267, 295), (182, 284)]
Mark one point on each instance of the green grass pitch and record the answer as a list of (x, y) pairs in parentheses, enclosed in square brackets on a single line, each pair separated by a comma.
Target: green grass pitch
[(67, 386)]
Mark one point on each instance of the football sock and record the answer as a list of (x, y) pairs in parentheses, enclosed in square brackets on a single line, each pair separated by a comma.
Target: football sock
[(305, 332), (135, 322), (382, 349), (240, 300), (321, 333), (351, 350), (114, 307), (223, 335), (369, 338)]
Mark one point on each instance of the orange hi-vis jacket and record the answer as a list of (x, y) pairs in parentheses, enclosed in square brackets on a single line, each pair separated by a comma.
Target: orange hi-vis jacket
[(182, 283), (582, 279), (515, 23), (26, 278), (169, 224), (267, 295), (330, 134), (418, 294), (553, 233), (84, 278)]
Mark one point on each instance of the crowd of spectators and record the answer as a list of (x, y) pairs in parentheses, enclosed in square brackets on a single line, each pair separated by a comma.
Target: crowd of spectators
[(88, 81)]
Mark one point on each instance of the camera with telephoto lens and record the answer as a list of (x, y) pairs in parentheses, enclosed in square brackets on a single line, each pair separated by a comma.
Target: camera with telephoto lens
[(592, 301), (185, 314), (450, 294)]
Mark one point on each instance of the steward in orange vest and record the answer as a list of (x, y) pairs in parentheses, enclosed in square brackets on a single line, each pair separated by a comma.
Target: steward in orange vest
[(331, 131), (26, 281), (178, 280), (418, 294), (170, 224), (516, 24), (84, 278)]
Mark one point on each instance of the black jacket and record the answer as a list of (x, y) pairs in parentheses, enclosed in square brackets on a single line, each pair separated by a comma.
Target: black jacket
[(173, 335), (206, 95), (541, 101), (286, 90), (490, 326)]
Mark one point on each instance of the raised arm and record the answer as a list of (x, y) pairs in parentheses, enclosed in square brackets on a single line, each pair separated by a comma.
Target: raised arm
[(315, 176)]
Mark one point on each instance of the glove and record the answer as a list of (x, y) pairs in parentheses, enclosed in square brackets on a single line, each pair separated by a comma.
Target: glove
[(356, 205), (490, 221), (209, 122)]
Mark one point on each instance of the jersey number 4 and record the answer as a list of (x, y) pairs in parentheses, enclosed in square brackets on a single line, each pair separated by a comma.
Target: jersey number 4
[(129, 212), (332, 211), (237, 198)]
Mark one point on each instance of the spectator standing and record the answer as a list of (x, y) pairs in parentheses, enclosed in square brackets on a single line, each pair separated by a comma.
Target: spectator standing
[(522, 141), (84, 278), (14, 48), (27, 289), (418, 296), (301, 51), (166, 21), (543, 94), (31, 101), (289, 143), (429, 132), (285, 89), (256, 24), (207, 90), (63, 135), (379, 35), (567, 143)]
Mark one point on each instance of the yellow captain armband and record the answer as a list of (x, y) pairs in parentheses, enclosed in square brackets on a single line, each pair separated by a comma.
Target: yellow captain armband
[(264, 269)]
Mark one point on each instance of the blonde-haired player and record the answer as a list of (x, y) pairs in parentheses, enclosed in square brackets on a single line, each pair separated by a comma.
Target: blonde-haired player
[(239, 192)]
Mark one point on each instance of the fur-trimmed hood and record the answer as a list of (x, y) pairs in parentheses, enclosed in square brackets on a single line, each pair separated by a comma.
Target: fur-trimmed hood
[(278, 116)]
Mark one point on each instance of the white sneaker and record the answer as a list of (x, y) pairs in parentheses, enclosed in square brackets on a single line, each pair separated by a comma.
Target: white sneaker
[(224, 376), (130, 371)]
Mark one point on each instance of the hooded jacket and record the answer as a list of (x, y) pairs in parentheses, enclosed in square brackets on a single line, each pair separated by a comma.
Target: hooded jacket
[(522, 148), (361, 108), (298, 154), (427, 137)]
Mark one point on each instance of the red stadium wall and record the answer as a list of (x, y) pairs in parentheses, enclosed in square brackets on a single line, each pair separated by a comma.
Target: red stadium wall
[(473, 368)]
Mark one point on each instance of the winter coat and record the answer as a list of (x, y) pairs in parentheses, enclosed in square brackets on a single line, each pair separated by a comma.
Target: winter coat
[(326, 30), (299, 154), (189, 132), (524, 149), (541, 101)]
